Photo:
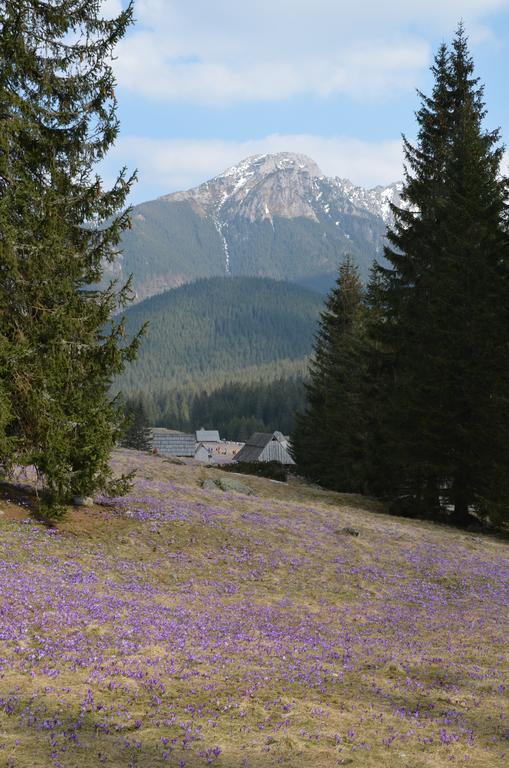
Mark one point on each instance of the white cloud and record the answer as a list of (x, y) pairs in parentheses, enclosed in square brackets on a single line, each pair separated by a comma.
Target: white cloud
[(175, 164), (111, 8), (144, 67), (227, 51)]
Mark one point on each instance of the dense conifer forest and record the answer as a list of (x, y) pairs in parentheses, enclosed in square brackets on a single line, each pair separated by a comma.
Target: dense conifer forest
[(224, 353), (236, 409), (219, 330)]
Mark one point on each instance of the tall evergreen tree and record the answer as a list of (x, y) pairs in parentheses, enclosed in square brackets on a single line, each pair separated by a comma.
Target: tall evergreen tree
[(59, 227), (137, 434), (329, 437), (445, 297)]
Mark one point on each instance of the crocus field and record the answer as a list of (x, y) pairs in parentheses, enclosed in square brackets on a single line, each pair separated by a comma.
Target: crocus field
[(187, 627)]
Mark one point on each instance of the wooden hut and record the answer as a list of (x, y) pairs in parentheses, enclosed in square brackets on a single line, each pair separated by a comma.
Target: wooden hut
[(265, 446), (202, 453)]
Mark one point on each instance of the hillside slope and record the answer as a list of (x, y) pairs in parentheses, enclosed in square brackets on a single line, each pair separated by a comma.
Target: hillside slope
[(211, 331), (272, 216), (188, 627)]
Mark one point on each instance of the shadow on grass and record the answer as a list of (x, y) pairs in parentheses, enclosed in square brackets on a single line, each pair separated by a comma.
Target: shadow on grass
[(27, 503), (384, 507)]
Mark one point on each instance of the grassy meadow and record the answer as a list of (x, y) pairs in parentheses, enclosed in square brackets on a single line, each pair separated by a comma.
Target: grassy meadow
[(187, 627)]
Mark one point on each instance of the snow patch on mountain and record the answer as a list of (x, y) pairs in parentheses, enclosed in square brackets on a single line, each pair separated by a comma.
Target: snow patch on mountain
[(377, 201)]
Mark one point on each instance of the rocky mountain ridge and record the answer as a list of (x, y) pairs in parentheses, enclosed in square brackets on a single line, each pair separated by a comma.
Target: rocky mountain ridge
[(271, 215)]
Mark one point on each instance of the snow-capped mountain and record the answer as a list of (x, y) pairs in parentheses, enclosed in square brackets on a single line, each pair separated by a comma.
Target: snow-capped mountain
[(287, 185), (273, 215)]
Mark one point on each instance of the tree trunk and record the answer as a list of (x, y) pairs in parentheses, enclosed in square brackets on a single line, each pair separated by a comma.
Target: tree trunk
[(461, 496)]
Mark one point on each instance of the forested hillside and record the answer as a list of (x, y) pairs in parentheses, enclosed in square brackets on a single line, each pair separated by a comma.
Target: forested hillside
[(219, 330), (169, 245)]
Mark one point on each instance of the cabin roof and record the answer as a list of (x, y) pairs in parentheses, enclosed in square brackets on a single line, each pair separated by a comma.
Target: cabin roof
[(168, 442), (207, 436)]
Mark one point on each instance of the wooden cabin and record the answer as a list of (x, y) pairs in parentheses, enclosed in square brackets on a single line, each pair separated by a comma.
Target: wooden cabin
[(264, 446)]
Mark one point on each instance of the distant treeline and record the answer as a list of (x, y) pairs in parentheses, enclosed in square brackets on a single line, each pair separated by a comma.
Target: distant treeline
[(235, 409)]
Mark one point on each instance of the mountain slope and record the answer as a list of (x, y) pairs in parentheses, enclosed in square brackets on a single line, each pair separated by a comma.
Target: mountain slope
[(272, 216), (221, 329)]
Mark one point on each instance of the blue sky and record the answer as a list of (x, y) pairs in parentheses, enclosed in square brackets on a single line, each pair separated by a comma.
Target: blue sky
[(204, 83)]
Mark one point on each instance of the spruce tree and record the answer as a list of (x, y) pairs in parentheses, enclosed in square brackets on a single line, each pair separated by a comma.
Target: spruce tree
[(59, 228), (445, 296), (137, 435), (328, 442)]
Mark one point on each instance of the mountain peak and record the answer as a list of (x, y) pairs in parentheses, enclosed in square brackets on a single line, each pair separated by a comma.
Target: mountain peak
[(263, 165), (272, 214), (259, 187), (288, 185)]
